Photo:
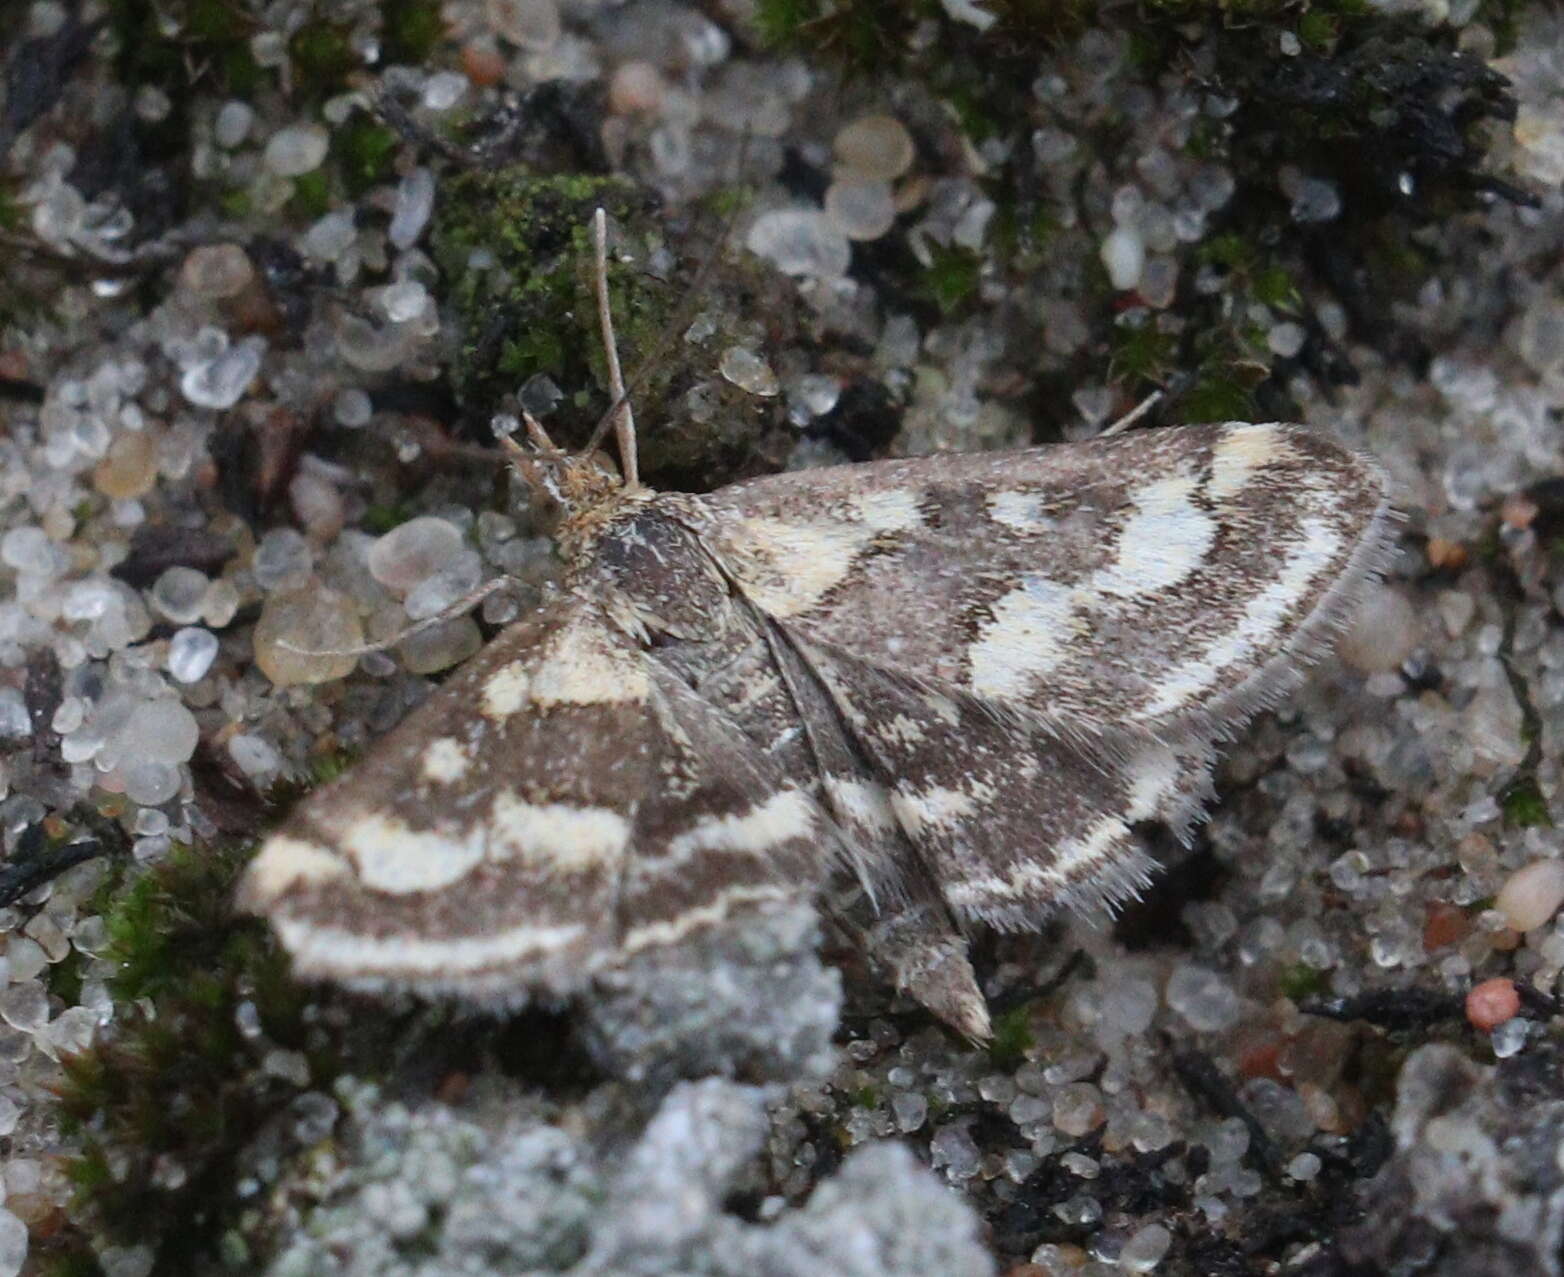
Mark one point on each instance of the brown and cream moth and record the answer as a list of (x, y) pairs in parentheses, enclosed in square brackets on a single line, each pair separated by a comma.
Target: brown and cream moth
[(959, 680)]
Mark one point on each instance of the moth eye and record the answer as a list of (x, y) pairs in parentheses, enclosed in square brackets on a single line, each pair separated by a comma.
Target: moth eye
[(547, 512)]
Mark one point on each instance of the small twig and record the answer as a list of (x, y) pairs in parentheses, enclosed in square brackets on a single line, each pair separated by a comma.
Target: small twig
[(1207, 1084), (1133, 415)]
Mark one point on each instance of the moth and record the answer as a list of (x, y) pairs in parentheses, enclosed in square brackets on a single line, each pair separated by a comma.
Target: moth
[(959, 681)]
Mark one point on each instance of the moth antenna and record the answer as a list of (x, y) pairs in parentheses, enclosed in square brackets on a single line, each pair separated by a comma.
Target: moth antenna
[(538, 435), (524, 463), (650, 359), (450, 612), (1133, 415), (624, 421)]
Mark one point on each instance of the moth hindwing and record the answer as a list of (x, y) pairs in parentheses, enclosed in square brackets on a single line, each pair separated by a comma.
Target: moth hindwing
[(959, 680)]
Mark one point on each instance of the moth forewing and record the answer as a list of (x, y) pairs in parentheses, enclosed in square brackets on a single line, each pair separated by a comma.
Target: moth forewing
[(965, 677)]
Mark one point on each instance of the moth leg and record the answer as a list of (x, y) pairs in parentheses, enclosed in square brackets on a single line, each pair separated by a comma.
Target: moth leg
[(449, 612)]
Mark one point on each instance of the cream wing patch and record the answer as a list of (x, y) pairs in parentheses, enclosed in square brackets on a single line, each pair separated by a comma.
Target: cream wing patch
[(349, 955), (1032, 630), (1164, 541), (506, 691), (790, 567), (783, 816), (1242, 453), (284, 862), (554, 837), (394, 858), (1317, 548), (445, 761), (581, 666)]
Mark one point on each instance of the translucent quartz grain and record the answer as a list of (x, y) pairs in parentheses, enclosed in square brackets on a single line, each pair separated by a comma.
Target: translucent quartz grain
[(862, 209), (216, 271), (179, 593), (1532, 895), (302, 634), (748, 371), (1205, 1000), (1123, 254), (413, 551), (295, 150), (283, 560), (800, 241), (190, 654), (874, 147), (411, 209), (219, 382)]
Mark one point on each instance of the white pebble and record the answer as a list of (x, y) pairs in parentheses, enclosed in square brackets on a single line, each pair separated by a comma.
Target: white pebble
[(800, 241), (1532, 895), (283, 560), (161, 731), (28, 549), (233, 124), (1205, 1000), (13, 1244), (331, 236), (15, 722), (1382, 633), (26, 959), (1286, 339), (255, 757), (190, 653), (25, 1006), (352, 408), (444, 89), (531, 24), (179, 592), (1145, 1249), (149, 783), (403, 301), (861, 209), (218, 383), (1123, 253), (414, 203), (296, 150)]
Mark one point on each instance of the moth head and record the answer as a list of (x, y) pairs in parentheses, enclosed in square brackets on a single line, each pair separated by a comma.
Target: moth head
[(564, 485)]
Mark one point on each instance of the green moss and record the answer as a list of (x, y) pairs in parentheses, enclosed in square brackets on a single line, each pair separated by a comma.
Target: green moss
[(534, 312), (1012, 1039), (1523, 805), (1142, 352), (1215, 398), (311, 195), (380, 519), (210, 41), (411, 29), (322, 55), (1318, 29), (952, 276), (865, 1097), (1299, 981), (10, 210), (363, 149), (174, 1084)]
